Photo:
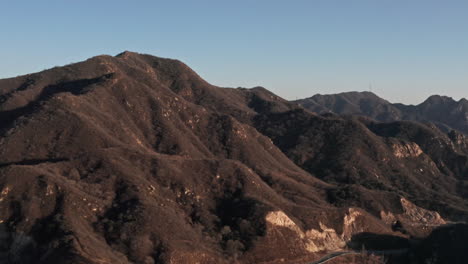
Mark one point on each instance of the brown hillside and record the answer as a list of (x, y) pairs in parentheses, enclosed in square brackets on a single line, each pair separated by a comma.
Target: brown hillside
[(136, 159)]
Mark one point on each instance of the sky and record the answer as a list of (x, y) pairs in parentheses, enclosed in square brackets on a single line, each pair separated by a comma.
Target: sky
[(402, 50)]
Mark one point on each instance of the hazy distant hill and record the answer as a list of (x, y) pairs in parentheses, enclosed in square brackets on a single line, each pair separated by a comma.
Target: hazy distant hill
[(136, 159), (443, 111)]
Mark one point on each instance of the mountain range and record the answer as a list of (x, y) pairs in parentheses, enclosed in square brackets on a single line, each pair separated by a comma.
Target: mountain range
[(136, 159), (442, 111)]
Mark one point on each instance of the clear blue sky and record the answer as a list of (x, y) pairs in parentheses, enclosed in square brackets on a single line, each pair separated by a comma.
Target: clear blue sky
[(407, 49)]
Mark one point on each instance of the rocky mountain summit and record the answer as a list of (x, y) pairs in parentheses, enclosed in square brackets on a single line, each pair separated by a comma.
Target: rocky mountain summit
[(136, 159)]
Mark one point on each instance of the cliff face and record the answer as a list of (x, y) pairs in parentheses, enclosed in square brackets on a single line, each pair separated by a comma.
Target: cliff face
[(136, 159)]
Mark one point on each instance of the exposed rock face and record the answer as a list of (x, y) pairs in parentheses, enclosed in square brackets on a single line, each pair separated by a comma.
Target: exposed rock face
[(136, 159), (314, 240), (459, 140), (406, 150), (420, 215)]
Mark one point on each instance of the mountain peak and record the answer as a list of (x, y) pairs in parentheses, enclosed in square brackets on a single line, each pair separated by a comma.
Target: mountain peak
[(127, 53), (438, 99)]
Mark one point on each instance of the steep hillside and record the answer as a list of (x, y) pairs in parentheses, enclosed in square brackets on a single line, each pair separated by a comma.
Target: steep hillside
[(136, 159)]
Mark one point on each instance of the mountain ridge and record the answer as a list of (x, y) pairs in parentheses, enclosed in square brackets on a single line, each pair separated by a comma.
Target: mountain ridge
[(443, 111)]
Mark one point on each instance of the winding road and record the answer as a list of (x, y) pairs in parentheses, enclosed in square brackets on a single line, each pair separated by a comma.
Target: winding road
[(334, 255)]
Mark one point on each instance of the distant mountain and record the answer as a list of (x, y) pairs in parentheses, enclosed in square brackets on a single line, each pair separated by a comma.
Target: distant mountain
[(136, 159), (442, 111)]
